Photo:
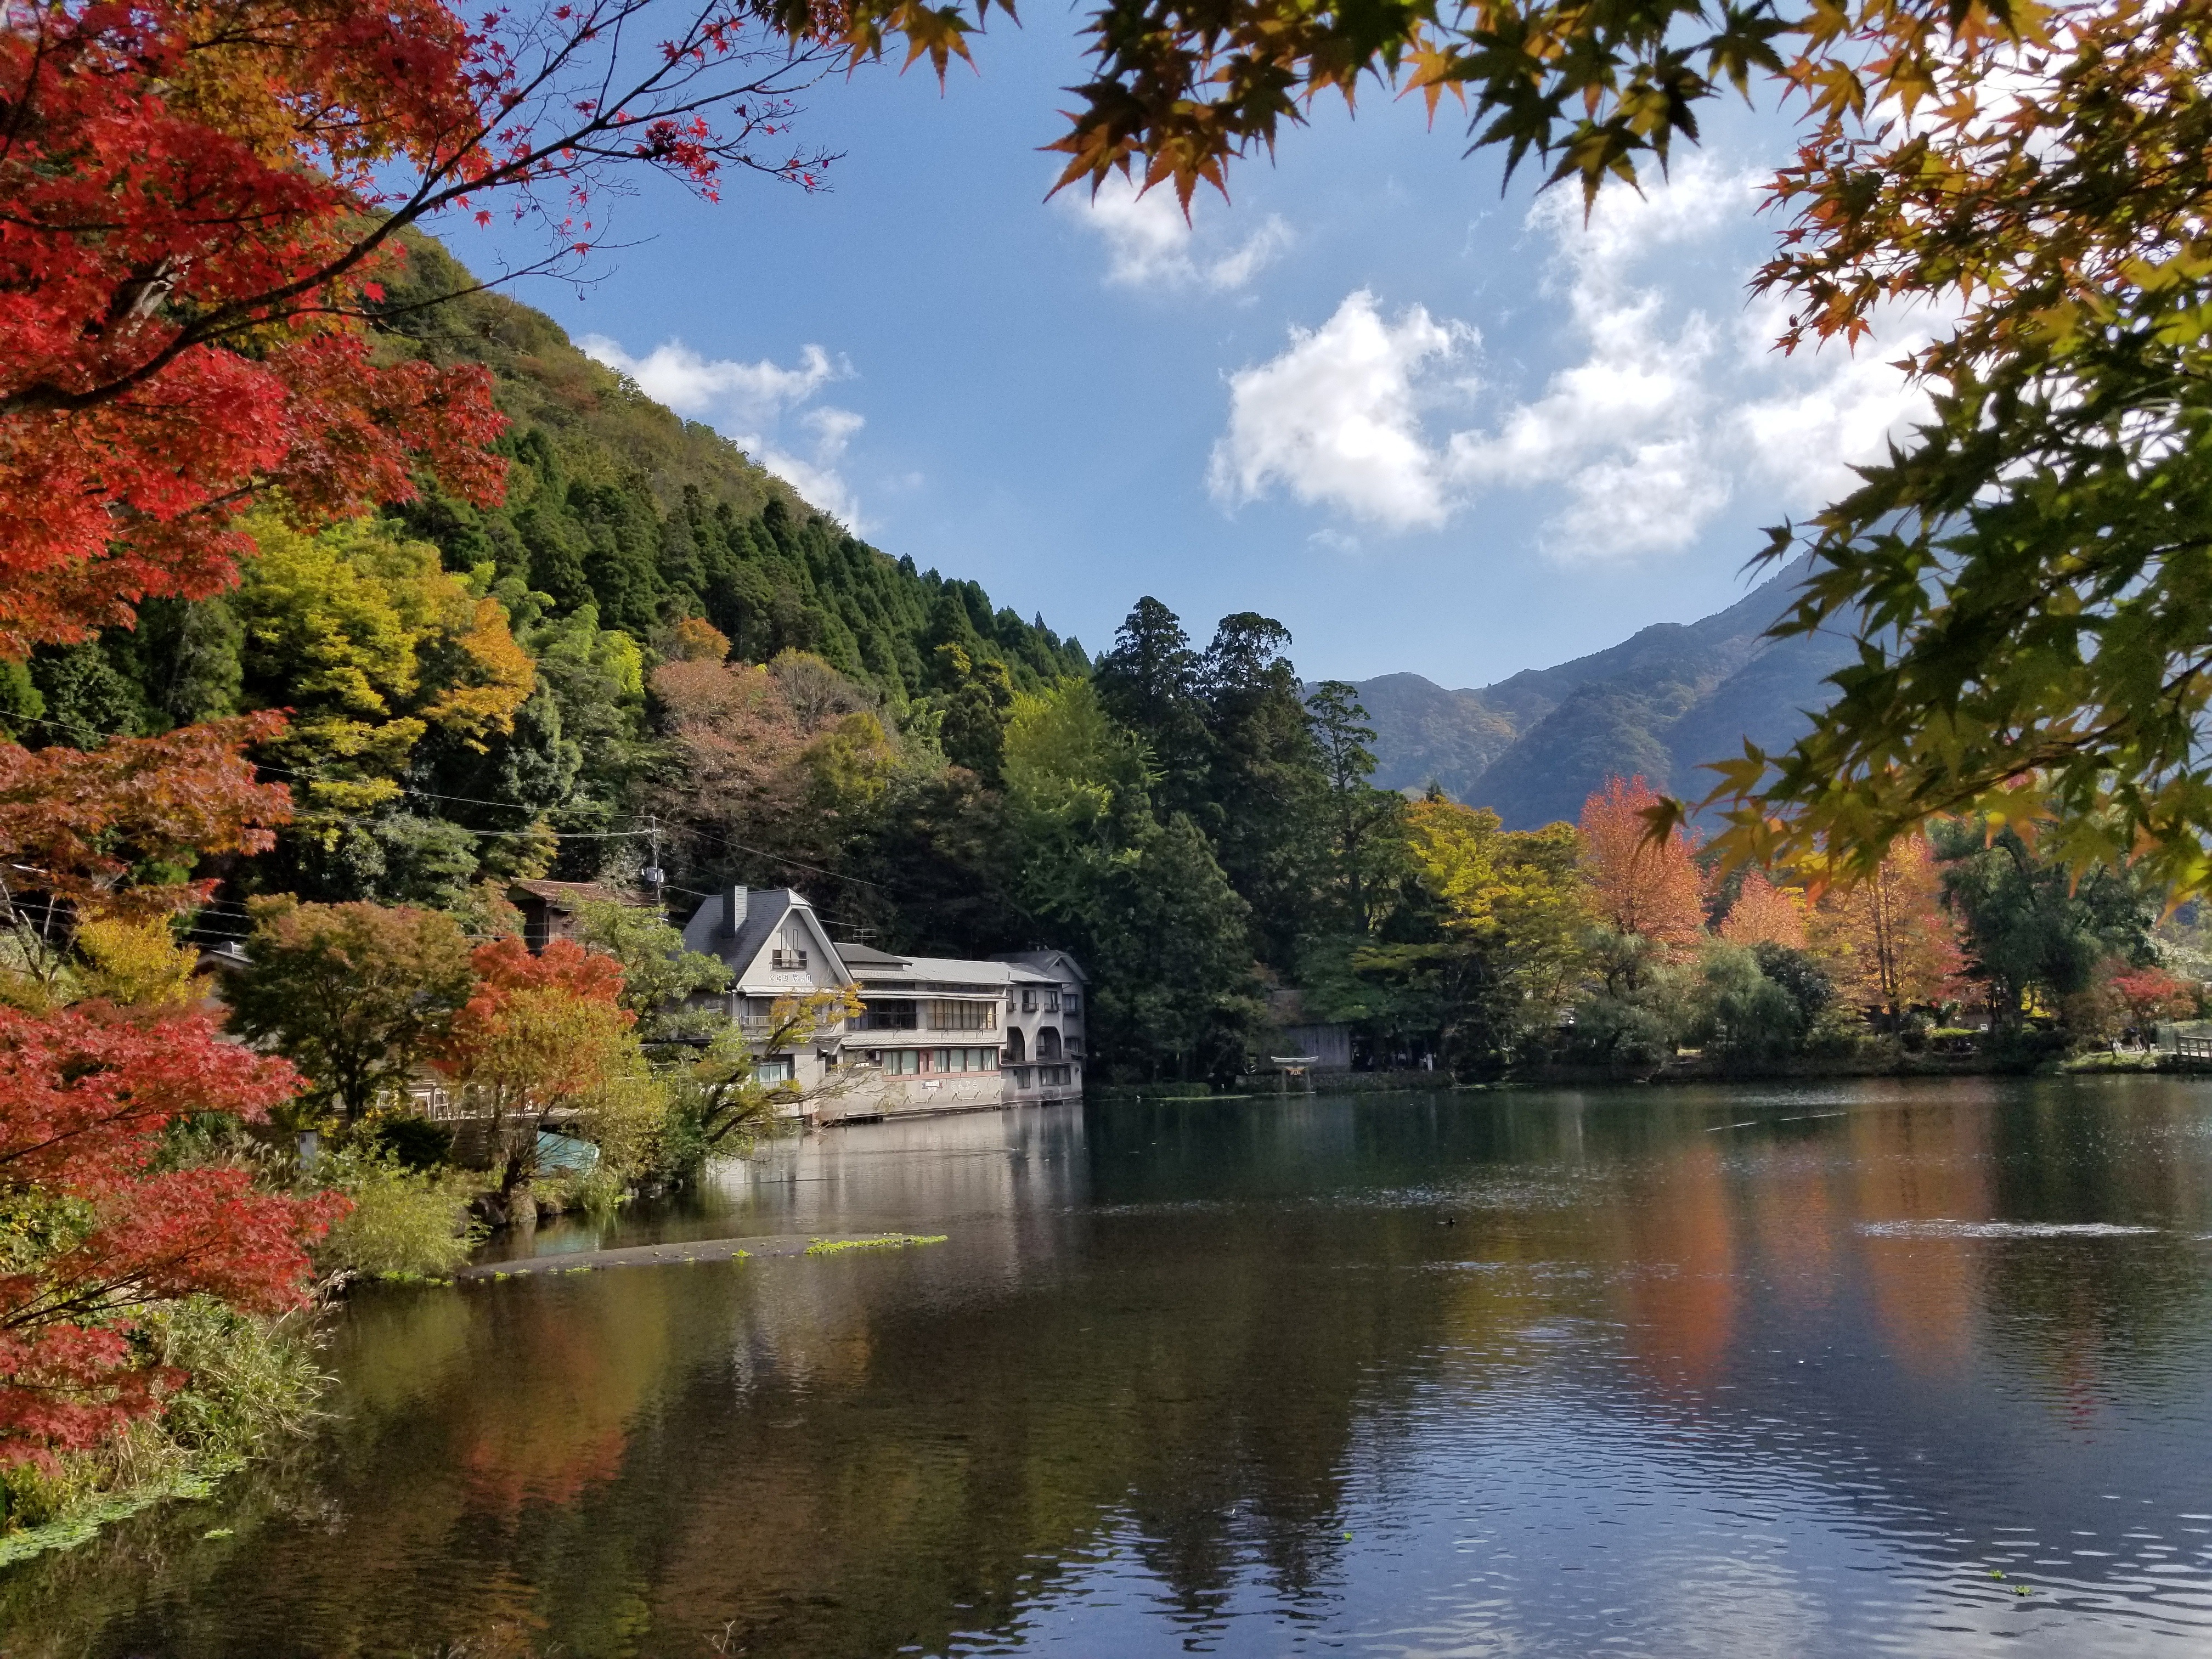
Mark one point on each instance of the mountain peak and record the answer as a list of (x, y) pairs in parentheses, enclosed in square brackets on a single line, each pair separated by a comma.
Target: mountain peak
[(1662, 702)]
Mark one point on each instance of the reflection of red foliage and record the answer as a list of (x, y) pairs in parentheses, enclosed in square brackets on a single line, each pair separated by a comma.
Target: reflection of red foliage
[(84, 1096)]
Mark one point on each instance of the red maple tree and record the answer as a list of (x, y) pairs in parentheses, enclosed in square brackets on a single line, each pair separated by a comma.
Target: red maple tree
[(2152, 994), (84, 1095), (202, 205)]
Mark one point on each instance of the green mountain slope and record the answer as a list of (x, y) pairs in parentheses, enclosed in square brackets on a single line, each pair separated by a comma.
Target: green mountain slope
[(614, 501), (1662, 702)]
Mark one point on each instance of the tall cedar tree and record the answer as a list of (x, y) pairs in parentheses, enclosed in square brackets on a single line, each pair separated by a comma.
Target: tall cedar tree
[(1360, 817), (1150, 682), (1265, 788), (1640, 886)]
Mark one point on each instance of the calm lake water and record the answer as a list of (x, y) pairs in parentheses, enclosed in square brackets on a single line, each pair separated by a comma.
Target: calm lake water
[(1742, 1371)]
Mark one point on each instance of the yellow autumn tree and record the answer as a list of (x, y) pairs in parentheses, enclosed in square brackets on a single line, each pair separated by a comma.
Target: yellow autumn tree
[(1513, 909), (373, 644), (1888, 940)]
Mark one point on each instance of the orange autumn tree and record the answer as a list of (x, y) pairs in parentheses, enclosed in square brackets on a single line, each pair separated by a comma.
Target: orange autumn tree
[(544, 1039), (1764, 914), (1888, 939), (1640, 888)]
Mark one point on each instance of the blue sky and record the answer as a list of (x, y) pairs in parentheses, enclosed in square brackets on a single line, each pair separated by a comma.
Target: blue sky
[(1427, 426)]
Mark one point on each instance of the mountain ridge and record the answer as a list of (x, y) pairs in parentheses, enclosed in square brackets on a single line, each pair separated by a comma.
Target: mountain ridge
[(1662, 702)]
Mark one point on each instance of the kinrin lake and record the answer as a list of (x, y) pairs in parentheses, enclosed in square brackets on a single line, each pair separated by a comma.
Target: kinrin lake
[(1917, 1368)]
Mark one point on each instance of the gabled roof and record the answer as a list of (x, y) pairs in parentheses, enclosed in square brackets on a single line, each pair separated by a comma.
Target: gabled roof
[(765, 910), (1056, 965)]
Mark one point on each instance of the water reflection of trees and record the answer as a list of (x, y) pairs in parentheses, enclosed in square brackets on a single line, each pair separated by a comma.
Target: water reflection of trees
[(1166, 1336)]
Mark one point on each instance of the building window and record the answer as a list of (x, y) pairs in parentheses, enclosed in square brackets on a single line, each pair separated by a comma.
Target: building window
[(960, 1060), (776, 1068), (896, 1062), (886, 1016), (790, 954), (1022, 1078), (1052, 1001), (1029, 1000), (950, 1016), (1070, 1003), (1055, 1077)]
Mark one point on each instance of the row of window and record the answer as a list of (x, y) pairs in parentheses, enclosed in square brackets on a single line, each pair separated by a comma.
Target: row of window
[(935, 1014), (1054, 1001), (916, 1062), (910, 1063)]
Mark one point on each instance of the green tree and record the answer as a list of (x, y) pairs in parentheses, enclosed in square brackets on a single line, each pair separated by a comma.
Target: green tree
[(354, 994), (1076, 792), (1265, 788), (970, 695), (659, 974), (1150, 682), (1365, 824), (2035, 930), (1741, 1011), (1166, 938), (1175, 992)]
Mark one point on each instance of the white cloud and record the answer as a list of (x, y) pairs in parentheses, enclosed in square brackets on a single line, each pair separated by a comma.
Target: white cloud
[(748, 402), (1149, 245), (1661, 418), (1336, 418)]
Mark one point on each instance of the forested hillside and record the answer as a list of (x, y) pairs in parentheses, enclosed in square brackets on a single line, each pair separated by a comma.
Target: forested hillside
[(471, 688), (1661, 703), (652, 643)]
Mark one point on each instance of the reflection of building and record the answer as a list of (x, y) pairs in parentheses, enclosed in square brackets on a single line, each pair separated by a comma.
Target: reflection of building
[(936, 1033)]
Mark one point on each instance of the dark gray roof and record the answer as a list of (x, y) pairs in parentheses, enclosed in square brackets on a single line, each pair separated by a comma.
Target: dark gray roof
[(867, 956), (765, 909), (1045, 962)]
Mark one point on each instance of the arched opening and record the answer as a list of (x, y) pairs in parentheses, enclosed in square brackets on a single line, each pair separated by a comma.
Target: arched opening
[(1048, 1042), (1017, 1050)]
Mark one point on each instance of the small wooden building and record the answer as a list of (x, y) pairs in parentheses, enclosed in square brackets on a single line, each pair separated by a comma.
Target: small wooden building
[(550, 910)]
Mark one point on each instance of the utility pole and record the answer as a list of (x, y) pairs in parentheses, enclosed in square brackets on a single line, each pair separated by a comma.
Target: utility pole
[(652, 875)]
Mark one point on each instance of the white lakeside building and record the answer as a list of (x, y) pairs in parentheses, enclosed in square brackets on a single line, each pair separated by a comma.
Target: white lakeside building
[(937, 1033)]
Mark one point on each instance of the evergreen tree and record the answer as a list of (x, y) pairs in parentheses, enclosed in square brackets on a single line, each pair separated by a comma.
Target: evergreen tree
[(1150, 682), (2034, 931), (1265, 788), (1363, 821)]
